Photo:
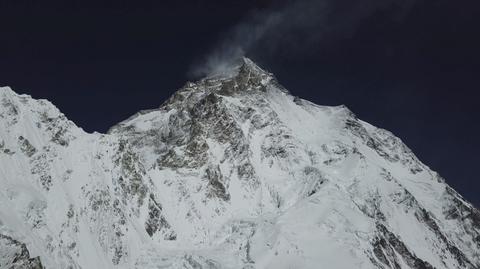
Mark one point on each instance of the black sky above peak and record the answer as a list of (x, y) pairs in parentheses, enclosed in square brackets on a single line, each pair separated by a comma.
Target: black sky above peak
[(413, 70)]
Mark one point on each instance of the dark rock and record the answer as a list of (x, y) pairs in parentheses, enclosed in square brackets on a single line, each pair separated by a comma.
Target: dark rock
[(18, 255), (387, 244), (156, 222), (26, 147), (216, 183)]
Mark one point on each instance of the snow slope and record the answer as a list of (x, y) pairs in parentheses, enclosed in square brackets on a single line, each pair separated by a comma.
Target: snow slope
[(230, 172)]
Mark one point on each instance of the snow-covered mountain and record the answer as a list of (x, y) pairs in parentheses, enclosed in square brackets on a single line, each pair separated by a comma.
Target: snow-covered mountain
[(231, 172)]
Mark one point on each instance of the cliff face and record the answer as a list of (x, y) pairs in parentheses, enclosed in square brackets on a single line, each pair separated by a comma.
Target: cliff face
[(231, 172)]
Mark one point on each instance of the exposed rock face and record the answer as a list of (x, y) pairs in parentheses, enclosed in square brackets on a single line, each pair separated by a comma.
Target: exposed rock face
[(230, 172), (16, 255)]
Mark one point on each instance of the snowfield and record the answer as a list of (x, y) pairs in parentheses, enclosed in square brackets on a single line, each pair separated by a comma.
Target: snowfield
[(231, 172)]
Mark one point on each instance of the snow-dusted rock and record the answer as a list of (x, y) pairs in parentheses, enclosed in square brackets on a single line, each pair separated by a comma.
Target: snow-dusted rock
[(230, 172)]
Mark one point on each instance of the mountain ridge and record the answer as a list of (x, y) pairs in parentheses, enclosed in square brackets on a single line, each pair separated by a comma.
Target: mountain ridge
[(218, 177)]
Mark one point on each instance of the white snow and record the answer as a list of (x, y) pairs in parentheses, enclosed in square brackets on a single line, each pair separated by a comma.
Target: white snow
[(307, 192)]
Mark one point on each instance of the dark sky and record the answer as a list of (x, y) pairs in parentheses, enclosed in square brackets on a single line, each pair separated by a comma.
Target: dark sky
[(413, 70)]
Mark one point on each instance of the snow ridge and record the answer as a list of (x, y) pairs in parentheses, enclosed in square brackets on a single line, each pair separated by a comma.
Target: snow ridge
[(231, 172)]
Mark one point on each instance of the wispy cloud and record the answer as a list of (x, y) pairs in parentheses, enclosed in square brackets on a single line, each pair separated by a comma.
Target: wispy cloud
[(293, 28)]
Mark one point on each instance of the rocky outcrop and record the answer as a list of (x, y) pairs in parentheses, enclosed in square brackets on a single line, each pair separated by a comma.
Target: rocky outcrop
[(15, 254)]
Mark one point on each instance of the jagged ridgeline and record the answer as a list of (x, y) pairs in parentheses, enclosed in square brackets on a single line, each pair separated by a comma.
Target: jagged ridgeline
[(230, 172)]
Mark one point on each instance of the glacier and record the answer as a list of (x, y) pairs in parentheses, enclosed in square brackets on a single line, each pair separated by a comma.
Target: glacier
[(232, 171)]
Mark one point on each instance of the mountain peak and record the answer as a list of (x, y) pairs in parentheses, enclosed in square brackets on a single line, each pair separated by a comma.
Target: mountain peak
[(6, 90), (248, 64), (243, 75), (230, 172), (233, 68)]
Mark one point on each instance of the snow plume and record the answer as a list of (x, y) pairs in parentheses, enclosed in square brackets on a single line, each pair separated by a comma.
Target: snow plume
[(296, 27), (237, 43)]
